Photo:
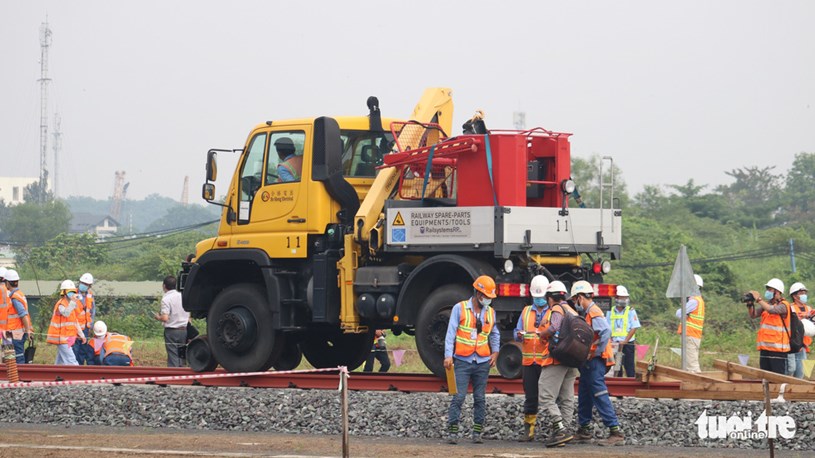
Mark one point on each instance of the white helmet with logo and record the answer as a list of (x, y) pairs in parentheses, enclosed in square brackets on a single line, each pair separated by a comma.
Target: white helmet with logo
[(556, 287), (776, 284), (100, 328), (537, 288), (12, 275), (582, 287), (622, 291), (67, 285), (86, 278), (798, 286)]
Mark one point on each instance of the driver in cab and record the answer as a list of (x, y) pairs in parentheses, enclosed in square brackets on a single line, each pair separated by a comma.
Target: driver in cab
[(290, 164)]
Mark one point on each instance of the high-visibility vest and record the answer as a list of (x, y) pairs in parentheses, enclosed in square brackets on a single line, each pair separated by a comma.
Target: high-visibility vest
[(803, 313), (595, 312), (533, 348), (695, 320), (84, 312), (293, 165), (5, 302), (465, 344), (15, 322), (117, 343), (772, 334), (617, 331), (62, 328), (545, 323)]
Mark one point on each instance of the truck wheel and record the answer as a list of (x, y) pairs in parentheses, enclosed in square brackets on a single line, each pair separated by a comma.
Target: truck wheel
[(290, 357), (431, 326), (199, 355), (510, 360), (240, 330), (337, 349)]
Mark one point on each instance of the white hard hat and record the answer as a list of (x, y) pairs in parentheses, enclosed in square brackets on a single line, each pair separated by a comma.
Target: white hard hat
[(67, 284), (797, 286), (556, 286), (100, 328), (538, 286), (699, 282), (622, 291), (3, 271), (12, 275), (582, 287), (776, 284), (87, 279)]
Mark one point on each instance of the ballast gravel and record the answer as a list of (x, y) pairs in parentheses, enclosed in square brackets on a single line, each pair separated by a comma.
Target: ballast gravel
[(420, 415)]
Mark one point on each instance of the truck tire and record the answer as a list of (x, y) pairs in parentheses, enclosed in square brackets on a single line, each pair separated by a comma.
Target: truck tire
[(335, 348), (290, 357), (241, 333), (431, 325), (199, 355)]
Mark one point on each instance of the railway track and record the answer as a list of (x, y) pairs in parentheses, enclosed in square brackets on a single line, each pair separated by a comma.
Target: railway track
[(358, 381)]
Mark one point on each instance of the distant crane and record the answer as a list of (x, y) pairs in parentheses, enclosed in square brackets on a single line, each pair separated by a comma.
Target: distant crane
[(185, 192), (119, 194), (519, 120), (45, 42)]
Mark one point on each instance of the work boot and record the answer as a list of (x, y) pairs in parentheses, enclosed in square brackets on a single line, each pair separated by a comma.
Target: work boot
[(529, 428), (452, 434), (477, 429), (559, 435), (615, 437), (583, 434)]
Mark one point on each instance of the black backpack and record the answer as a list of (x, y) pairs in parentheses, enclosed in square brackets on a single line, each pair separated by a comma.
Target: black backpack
[(795, 332), (571, 345)]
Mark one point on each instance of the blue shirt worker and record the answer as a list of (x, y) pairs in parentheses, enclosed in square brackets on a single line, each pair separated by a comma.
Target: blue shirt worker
[(18, 321), (624, 324), (290, 165), (472, 341), (534, 351)]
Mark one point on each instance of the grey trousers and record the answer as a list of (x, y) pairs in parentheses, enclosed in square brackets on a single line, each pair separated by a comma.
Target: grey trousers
[(174, 339), (556, 393)]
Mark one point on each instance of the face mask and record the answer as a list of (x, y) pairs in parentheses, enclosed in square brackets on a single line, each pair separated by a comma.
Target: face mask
[(803, 298), (485, 301), (622, 302), (768, 295), (539, 301), (70, 294), (83, 288)]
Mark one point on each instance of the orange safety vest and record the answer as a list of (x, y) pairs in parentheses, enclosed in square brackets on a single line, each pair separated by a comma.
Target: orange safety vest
[(62, 328), (695, 320), (5, 302), (545, 323), (84, 310), (803, 313), (533, 348), (14, 320), (772, 335), (117, 343), (608, 354), (293, 165), (466, 345)]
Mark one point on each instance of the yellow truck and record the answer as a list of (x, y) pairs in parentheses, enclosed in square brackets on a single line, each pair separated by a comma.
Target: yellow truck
[(334, 227)]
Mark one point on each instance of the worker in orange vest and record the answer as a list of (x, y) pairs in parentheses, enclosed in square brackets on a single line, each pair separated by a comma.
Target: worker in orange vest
[(65, 328), (86, 314), (795, 361), (290, 164), (772, 340), (592, 390), (694, 323), (5, 302), (112, 349), (533, 352), (18, 321), (472, 341)]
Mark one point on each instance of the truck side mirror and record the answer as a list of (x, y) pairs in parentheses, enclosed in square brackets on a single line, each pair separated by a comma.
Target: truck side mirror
[(208, 191), (212, 167)]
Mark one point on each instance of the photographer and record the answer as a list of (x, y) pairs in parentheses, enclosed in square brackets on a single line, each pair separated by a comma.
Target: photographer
[(772, 340)]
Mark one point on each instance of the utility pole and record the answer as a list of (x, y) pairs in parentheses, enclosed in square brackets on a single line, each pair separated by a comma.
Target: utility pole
[(792, 255), (57, 148), (185, 192), (45, 42)]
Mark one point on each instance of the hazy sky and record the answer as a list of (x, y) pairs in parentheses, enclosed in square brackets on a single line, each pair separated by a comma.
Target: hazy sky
[(672, 91)]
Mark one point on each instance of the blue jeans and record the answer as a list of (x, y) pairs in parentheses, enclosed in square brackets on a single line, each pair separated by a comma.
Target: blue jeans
[(19, 348), (84, 352), (593, 392), (467, 372), (795, 364), (116, 359)]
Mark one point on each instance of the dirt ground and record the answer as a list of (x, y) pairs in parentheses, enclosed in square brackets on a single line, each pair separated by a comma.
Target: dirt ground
[(22, 441)]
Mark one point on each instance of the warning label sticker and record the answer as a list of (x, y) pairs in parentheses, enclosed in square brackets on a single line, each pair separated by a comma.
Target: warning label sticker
[(397, 220), (440, 223)]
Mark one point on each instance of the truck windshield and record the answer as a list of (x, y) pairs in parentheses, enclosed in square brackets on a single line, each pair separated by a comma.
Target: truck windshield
[(362, 151)]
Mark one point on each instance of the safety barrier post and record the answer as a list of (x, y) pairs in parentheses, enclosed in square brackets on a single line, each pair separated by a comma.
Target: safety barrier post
[(344, 406), (10, 358)]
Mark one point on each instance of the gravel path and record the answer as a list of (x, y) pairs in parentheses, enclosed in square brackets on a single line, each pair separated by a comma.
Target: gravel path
[(419, 415)]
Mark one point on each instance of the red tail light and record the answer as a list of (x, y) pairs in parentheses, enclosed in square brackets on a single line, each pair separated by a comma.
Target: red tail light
[(513, 289)]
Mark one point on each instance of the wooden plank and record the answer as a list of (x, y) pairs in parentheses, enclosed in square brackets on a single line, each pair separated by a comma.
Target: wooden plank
[(717, 395), (747, 387), (678, 374), (758, 374)]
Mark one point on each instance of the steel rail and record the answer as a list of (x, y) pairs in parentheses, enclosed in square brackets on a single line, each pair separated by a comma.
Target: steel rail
[(358, 381)]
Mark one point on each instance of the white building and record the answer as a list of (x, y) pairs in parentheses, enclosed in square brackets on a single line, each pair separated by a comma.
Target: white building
[(12, 188)]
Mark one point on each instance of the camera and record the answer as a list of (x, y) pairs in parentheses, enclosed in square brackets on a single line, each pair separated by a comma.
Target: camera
[(748, 299)]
